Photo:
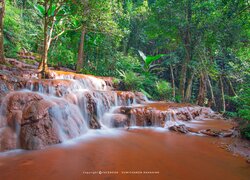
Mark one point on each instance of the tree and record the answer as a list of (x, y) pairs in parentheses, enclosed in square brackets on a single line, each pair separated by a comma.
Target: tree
[(54, 14), (2, 8), (95, 17)]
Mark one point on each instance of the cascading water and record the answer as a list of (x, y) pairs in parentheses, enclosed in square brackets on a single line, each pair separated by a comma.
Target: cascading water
[(68, 105), (63, 108)]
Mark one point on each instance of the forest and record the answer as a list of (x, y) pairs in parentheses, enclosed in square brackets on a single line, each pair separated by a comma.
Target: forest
[(124, 89), (184, 51)]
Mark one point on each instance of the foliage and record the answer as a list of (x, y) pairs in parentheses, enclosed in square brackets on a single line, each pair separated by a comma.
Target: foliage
[(148, 60), (245, 130), (163, 90), (131, 80), (21, 29), (127, 63), (61, 56), (244, 111), (242, 104)]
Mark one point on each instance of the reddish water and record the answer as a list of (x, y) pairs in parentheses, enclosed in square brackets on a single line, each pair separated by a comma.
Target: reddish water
[(165, 106), (170, 155)]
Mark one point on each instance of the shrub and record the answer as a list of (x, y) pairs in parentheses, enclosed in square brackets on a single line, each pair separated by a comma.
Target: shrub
[(61, 56), (163, 90), (21, 29), (127, 62), (148, 83), (131, 80), (245, 130), (242, 102)]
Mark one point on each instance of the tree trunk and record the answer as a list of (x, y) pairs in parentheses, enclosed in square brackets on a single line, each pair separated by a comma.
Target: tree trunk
[(222, 95), (183, 80), (49, 23), (173, 81), (186, 38), (211, 91), (2, 8), (231, 87), (202, 91), (43, 67), (80, 59), (189, 88)]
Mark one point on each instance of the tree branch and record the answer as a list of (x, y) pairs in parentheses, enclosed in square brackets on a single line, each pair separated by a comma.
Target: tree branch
[(64, 30)]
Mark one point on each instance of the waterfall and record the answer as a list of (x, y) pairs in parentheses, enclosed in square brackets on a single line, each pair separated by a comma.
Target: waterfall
[(66, 106)]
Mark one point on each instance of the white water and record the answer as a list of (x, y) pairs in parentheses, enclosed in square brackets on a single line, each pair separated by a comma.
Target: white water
[(75, 103)]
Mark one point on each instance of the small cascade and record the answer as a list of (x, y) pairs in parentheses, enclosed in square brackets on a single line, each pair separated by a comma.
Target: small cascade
[(66, 106)]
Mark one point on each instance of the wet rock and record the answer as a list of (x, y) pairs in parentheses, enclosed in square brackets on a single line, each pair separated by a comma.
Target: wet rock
[(119, 120), (180, 128), (226, 134), (19, 100), (53, 87), (140, 97), (193, 130), (108, 81), (144, 116), (38, 122), (15, 103), (92, 111), (210, 132), (38, 129), (94, 123), (124, 110), (217, 133), (28, 119), (8, 139), (8, 82), (126, 97), (215, 115), (183, 114)]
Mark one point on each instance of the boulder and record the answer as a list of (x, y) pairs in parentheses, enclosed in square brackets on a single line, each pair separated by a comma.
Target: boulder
[(217, 133), (179, 128)]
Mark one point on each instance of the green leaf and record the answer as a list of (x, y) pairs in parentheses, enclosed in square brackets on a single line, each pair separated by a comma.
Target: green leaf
[(142, 55), (150, 59), (51, 11), (40, 9), (145, 93)]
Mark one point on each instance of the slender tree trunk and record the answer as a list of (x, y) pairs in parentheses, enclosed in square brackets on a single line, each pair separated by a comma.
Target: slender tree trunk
[(189, 88), (202, 91), (183, 80), (187, 44), (173, 81), (211, 90), (80, 58), (222, 95), (231, 87), (43, 67), (2, 9)]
